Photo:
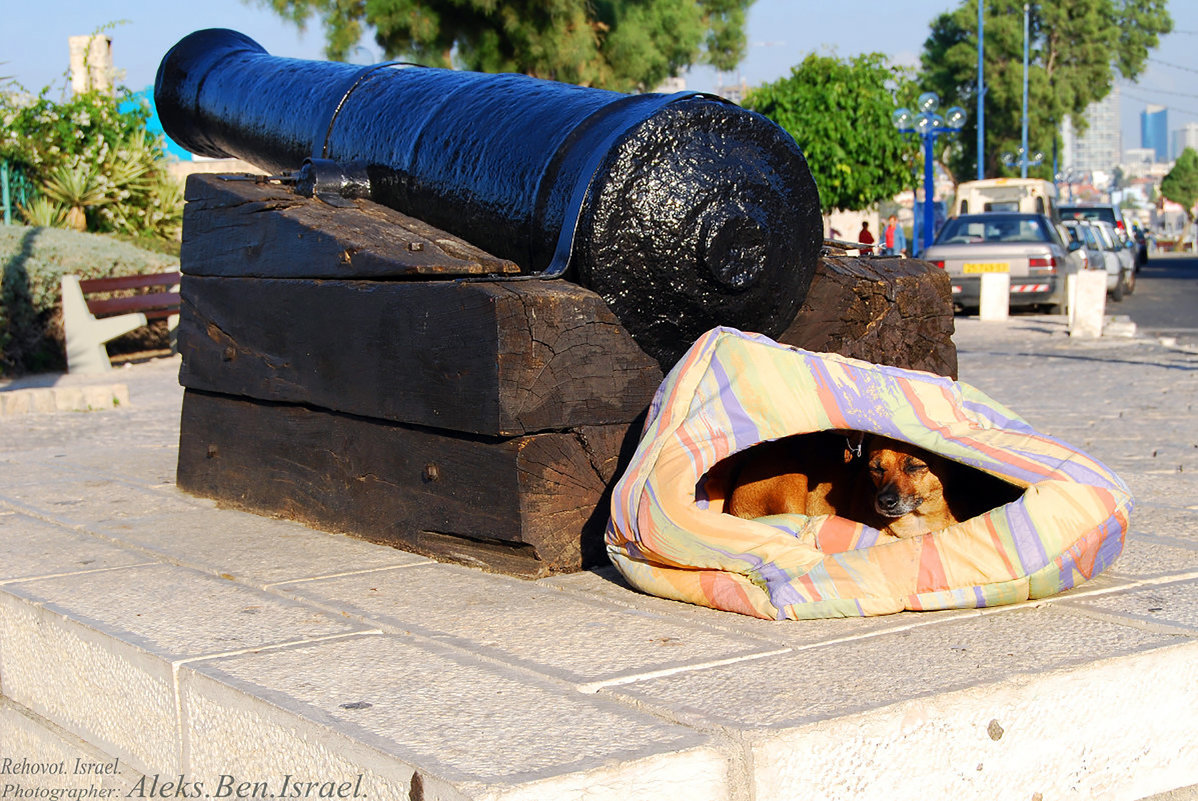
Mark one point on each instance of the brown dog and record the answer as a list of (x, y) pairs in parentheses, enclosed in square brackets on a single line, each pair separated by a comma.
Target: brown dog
[(909, 488), (809, 474), (899, 489)]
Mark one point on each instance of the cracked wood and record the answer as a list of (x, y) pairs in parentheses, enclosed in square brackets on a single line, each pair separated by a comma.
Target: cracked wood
[(883, 310), (248, 228), (529, 505), (487, 358)]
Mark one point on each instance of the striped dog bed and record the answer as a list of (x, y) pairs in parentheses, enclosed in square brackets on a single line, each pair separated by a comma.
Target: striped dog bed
[(669, 537)]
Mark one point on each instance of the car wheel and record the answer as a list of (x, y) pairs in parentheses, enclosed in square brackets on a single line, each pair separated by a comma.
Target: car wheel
[(1117, 292)]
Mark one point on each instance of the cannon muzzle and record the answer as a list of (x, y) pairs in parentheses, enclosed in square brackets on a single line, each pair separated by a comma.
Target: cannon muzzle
[(682, 211)]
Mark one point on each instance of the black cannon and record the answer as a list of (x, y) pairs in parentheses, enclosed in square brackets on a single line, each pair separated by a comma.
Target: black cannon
[(681, 211)]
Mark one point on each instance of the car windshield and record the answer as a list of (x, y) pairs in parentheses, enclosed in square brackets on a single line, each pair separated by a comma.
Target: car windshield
[(1087, 213), (963, 230), (1083, 233)]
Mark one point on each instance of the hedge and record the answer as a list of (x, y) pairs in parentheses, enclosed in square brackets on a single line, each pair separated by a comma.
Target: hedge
[(33, 261)]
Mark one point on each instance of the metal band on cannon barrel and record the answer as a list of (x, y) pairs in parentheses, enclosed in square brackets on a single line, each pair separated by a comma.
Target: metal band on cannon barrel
[(683, 212)]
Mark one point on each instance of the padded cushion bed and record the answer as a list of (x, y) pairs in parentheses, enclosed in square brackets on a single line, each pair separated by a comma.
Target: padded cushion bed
[(669, 537)]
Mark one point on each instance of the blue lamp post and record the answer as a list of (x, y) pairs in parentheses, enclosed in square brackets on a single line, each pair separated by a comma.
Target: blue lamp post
[(929, 125), (1023, 160), (981, 93)]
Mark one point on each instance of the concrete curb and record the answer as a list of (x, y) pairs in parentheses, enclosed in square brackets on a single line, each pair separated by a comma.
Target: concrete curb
[(62, 399)]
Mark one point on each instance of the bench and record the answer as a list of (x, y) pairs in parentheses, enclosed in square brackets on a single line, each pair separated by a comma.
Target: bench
[(98, 310)]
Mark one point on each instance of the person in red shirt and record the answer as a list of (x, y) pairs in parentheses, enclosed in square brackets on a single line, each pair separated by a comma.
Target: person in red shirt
[(894, 240), (865, 237)]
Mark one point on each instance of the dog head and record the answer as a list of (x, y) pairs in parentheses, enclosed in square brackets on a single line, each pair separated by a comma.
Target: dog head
[(906, 478)]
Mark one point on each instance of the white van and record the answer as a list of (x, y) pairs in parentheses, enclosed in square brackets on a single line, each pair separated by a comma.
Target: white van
[(1028, 195)]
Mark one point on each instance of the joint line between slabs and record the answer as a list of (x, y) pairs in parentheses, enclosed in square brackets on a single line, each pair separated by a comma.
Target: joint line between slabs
[(176, 664), (24, 579), (592, 687), (274, 585)]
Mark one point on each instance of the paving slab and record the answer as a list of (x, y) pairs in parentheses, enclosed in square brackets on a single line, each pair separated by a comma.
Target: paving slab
[(79, 501), (855, 676), (1162, 607), (96, 653), (1150, 556), (1179, 522), (607, 584), (151, 465), (851, 720), (246, 547), (20, 470), (452, 719), (1069, 734), (572, 638), (33, 548)]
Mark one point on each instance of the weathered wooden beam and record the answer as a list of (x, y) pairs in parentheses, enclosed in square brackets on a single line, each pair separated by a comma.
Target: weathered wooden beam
[(246, 227), (884, 310), (529, 506), (499, 359)]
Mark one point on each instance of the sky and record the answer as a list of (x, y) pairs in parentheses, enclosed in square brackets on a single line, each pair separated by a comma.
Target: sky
[(33, 42)]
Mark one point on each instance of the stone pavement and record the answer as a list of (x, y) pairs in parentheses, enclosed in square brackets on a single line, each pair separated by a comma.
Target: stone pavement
[(220, 654)]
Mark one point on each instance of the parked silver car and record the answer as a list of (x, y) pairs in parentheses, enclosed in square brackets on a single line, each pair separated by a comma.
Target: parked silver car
[(1083, 231), (1120, 261), (1037, 253)]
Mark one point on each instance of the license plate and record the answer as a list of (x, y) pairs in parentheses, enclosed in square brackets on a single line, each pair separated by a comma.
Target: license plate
[(986, 267)]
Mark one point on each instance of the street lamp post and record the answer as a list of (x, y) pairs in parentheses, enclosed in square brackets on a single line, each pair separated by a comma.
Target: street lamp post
[(929, 125), (1021, 158), (981, 92), (1023, 163)]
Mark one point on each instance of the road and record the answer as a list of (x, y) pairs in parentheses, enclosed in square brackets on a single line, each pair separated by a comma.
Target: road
[(1165, 303)]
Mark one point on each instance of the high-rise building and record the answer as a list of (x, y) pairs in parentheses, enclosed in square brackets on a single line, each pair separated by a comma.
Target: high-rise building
[(1154, 131), (1100, 147), (1183, 137)]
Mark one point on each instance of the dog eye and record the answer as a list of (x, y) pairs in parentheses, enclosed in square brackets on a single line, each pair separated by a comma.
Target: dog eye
[(915, 467)]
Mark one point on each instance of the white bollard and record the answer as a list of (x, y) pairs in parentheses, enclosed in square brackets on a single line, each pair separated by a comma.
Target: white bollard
[(1089, 305), (994, 301), (1070, 298)]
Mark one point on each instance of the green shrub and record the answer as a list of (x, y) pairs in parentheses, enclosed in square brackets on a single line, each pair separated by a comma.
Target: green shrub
[(33, 261), (91, 157)]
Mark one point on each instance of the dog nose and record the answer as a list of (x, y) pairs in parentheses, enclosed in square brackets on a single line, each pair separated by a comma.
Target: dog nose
[(888, 500)]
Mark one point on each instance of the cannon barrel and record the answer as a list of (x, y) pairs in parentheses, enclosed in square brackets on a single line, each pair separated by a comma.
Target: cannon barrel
[(682, 211)]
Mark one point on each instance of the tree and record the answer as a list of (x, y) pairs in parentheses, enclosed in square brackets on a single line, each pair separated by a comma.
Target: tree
[(1076, 50), (839, 113), (625, 45), (1181, 184)]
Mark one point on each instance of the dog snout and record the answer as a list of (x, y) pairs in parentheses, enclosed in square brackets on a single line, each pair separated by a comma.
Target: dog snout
[(892, 503)]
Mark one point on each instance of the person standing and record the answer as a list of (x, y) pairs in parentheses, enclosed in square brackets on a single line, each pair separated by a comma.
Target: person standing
[(894, 239), (864, 236)]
